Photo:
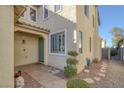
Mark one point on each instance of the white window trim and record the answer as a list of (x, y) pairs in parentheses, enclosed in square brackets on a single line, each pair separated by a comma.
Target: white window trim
[(58, 54), (44, 12), (36, 14), (58, 10)]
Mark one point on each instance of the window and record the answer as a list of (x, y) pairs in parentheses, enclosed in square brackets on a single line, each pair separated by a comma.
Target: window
[(57, 8), (33, 14), (45, 11), (80, 41), (58, 43), (90, 44), (93, 21), (86, 10)]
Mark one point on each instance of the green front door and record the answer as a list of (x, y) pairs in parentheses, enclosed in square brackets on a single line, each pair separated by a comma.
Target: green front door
[(41, 50)]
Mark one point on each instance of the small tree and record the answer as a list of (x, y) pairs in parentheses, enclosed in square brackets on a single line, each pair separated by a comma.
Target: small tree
[(117, 36), (70, 70)]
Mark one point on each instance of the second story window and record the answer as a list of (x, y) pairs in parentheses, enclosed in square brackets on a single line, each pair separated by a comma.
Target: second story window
[(33, 14), (57, 8), (45, 11), (86, 10)]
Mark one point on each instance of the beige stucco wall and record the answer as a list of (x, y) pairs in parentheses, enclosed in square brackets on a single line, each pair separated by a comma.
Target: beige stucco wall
[(35, 33), (85, 25), (30, 55), (56, 22), (71, 18), (6, 46)]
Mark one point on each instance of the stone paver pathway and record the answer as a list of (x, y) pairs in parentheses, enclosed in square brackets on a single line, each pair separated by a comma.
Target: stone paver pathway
[(101, 70), (95, 73), (101, 74), (104, 74), (89, 80), (97, 78), (86, 70), (114, 78)]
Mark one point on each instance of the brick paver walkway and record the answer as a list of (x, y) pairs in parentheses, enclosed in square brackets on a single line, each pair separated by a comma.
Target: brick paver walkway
[(38, 75)]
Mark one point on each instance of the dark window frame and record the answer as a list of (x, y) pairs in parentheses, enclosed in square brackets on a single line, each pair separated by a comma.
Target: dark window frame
[(86, 10), (34, 15), (59, 43), (46, 12)]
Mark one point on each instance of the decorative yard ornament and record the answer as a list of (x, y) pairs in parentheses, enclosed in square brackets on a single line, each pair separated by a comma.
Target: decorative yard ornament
[(19, 80)]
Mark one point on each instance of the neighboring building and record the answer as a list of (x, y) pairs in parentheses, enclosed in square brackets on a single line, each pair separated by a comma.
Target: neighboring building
[(45, 34), (103, 43)]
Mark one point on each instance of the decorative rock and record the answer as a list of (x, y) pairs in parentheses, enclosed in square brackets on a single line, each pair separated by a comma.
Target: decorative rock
[(49, 71), (55, 71), (104, 65), (97, 78), (86, 71), (102, 70), (101, 74), (89, 80)]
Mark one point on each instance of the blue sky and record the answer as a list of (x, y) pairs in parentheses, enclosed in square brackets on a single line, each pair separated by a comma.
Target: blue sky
[(110, 16)]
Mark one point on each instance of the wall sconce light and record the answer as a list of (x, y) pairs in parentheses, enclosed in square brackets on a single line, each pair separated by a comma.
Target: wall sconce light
[(75, 36), (23, 41)]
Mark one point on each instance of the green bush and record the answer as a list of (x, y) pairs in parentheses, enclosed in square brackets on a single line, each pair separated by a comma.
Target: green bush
[(95, 60), (77, 84), (114, 52), (71, 61), (73, 53), (70, 72)]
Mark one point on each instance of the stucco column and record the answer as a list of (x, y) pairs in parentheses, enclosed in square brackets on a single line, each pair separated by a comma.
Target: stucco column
[(122, 54), (109, 53), (46, 50), (6, 46)]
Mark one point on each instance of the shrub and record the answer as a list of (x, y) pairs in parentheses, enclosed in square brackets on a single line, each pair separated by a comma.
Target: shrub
[(114, 52), (70, 72), (95, 60), (73, 53), (71, 61), (77, 83)]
